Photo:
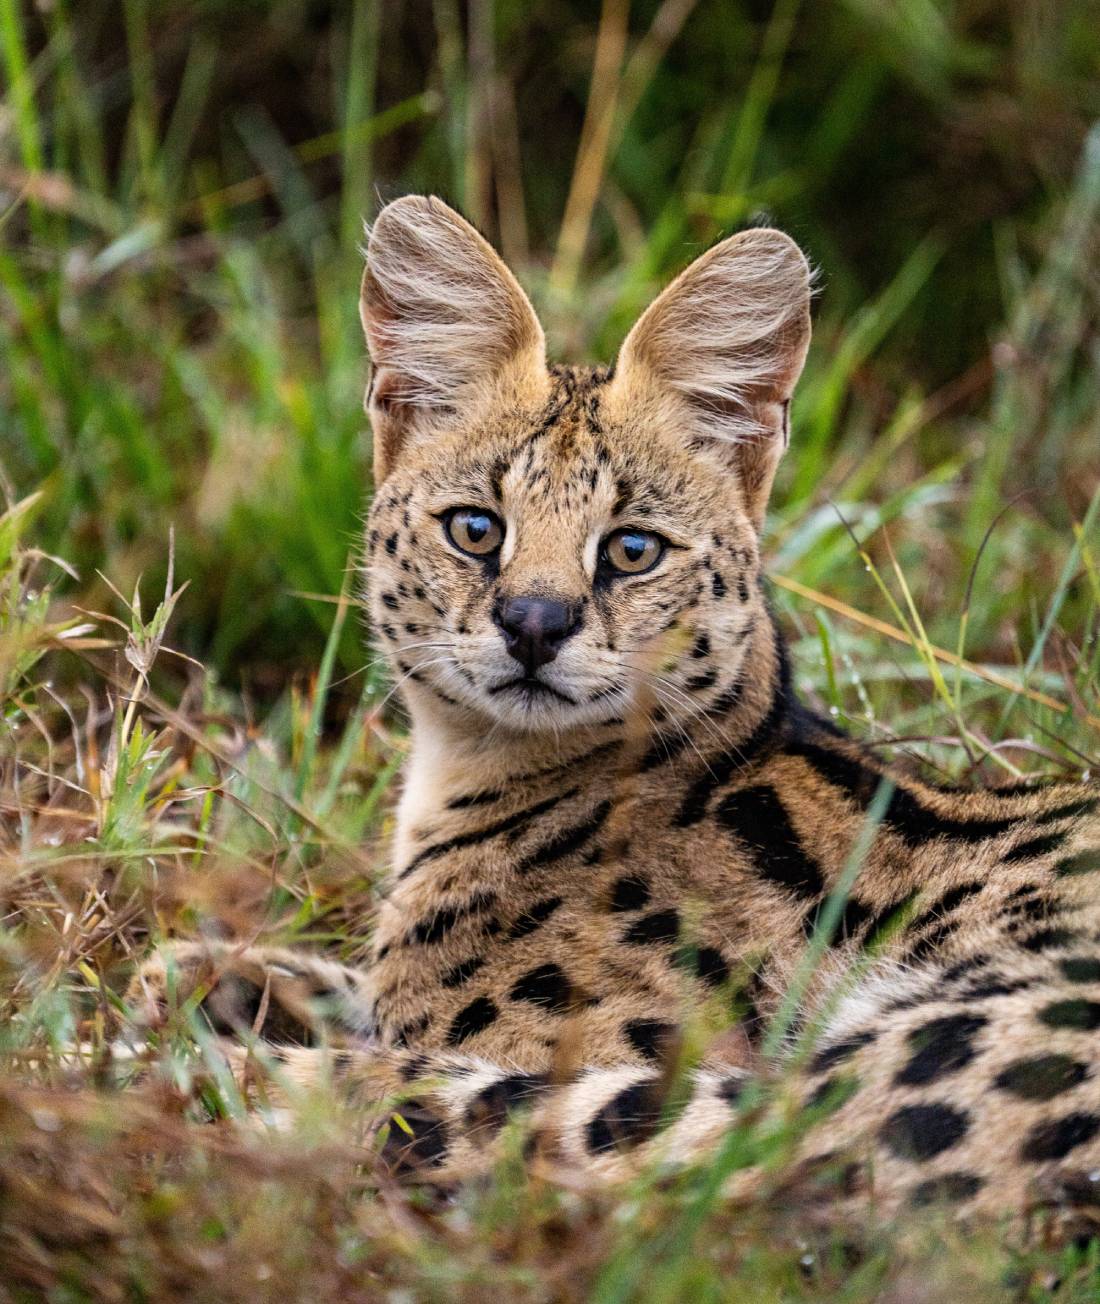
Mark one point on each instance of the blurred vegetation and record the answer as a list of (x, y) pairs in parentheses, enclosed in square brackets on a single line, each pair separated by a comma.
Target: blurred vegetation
[(182, 189), (183, 192)]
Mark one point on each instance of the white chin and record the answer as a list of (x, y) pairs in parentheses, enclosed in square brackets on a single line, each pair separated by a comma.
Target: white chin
[(538, 712)]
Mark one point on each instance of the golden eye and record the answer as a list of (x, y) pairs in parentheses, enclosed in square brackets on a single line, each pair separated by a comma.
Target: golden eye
[(474, 530), (630, 552)]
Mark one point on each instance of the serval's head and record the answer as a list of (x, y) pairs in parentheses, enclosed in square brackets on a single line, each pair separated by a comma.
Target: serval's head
[(545, 539)]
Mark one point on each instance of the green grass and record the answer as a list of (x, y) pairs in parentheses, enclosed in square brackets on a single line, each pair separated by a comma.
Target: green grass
[(181, 187)]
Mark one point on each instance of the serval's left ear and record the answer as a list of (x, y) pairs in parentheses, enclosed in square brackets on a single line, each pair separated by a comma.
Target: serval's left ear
[(721, 350)]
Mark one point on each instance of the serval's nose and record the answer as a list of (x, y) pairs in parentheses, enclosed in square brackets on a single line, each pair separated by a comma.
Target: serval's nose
[(535, 628)]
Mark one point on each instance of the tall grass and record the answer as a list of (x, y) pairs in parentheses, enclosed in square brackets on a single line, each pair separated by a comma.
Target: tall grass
[(192, 735)]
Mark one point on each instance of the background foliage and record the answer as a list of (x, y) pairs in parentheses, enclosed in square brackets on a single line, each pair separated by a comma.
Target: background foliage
[(182, 187)]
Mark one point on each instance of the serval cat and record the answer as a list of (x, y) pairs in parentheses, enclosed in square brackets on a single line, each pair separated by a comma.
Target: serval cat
[(617, 813)]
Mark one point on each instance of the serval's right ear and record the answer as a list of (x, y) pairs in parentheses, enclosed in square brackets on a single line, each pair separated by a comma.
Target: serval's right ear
[(447, 324)]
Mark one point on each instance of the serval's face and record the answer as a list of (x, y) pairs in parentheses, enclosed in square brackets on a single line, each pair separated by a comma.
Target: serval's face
[(557, 547)]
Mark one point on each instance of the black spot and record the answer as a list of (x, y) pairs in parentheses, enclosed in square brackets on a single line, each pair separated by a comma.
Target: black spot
[(494, 1104), (414, 1067), (962, 967), (391, 543), (1032, 909), (463, 972), (436, 926), (727, 699), (659, 926), (931, 941), (706, 680), (651, 1038), (948, 1188), (425, 1148), (746, 1006), (701, 647), (994, 985), (390, 600), (833, 1092), (732, 1088), (534, 917), (918, 1132), (433, 928), (829, 1056), (472, 1019), (388, 630), (1081, 969), (1079, 1014), (1084, 862), (630, 892), (566, 842), (711, 967), (718, 585), (1042, 1077), (628, 1119), (1048, 939), (1056, 1138), (759, 819), (1033, 847), (546, 986), (940, 1047), (475, 799), (951, 899)]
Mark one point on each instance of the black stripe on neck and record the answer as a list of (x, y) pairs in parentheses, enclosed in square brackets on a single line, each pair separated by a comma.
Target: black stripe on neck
[(742, 755), (475, 836)]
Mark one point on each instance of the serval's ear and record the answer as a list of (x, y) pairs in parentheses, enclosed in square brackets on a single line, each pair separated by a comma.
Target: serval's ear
[(722, 348), (447, 324)]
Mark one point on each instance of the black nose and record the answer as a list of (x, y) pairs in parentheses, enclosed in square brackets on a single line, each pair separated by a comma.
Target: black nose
[(535, 628)]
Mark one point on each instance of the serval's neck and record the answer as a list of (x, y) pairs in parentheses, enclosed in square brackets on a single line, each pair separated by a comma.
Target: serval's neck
[(458, 764)]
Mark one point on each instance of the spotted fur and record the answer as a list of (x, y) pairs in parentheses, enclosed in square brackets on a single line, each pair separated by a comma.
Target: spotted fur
[(582, 867)]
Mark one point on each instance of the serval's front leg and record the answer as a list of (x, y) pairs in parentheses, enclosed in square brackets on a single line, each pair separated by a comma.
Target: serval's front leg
[(282, 996), (293, 1023)]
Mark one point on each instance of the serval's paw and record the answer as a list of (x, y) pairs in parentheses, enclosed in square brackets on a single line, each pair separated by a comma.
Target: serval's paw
[(284, 997)]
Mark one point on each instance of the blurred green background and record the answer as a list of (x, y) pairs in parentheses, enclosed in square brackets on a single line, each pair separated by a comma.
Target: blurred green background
[(182, 188)]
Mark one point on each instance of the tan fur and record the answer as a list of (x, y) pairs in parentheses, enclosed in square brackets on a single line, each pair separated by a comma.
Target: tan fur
[(581, 886)]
